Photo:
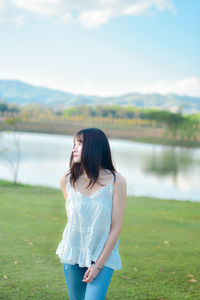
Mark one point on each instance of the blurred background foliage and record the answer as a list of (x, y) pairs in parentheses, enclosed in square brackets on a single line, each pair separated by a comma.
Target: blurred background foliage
[(176, 125)]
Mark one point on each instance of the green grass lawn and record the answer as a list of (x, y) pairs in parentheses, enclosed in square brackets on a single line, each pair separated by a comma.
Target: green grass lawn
[(159, 247)]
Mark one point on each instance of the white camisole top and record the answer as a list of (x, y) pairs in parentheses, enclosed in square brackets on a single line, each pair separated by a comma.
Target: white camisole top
[(88, 227)]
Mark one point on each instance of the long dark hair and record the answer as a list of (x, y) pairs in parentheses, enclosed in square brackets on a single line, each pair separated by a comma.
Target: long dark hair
[(96, 154)]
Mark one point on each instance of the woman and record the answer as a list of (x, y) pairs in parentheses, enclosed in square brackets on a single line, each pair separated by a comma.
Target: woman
[(95, 202)]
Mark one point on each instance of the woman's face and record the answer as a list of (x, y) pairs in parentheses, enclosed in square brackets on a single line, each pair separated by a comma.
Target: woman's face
[(77, 149)]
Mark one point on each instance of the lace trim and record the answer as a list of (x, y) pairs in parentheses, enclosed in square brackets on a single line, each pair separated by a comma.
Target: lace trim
[(94, 194)]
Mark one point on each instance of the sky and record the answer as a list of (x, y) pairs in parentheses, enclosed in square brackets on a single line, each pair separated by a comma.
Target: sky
[(102, 47)]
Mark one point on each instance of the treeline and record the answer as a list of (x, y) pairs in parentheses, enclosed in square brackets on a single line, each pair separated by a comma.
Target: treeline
[(4, 107), (104, 111), (183, 127), (129, 112), (162, 117), (177, 126)]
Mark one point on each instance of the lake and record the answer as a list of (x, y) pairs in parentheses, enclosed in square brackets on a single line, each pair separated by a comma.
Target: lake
[(150, 170)]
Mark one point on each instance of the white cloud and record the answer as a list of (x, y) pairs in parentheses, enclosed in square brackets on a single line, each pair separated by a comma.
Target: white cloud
[(94, 19), (2, 3), (90, 13), (142, 6), (49, 7), (187, 86), (19, 20), (66, 18), (163, 4), (136, 9)]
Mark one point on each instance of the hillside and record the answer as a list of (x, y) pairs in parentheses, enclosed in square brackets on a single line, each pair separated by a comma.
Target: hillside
[(15, 91)]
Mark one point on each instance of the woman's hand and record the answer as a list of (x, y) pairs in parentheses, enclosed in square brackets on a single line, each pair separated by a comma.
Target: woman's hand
[(90, 274)]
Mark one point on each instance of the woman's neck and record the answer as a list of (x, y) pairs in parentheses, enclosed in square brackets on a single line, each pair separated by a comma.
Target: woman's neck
[(101, 173)]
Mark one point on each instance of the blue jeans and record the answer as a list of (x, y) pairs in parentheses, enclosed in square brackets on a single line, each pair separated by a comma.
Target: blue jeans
[(79, 290)]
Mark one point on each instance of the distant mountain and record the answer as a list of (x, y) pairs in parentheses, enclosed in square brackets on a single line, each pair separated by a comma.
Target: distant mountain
[(15, 91)]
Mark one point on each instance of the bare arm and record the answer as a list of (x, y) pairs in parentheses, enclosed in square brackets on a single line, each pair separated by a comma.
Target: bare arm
[(63, 184), (119, 203)]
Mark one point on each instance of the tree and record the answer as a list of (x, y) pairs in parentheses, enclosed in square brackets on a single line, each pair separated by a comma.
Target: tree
[(12, 140)]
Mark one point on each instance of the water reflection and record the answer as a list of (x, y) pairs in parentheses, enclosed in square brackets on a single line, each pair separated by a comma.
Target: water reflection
[(150, 170), (169, 162)]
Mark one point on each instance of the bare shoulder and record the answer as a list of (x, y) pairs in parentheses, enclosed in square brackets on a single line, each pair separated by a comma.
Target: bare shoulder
[(120, 180), (64, 178), (120, 186), (120, 190)]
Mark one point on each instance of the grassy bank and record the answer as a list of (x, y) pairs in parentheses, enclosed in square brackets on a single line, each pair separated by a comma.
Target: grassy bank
[(153, 135), (159, 247)]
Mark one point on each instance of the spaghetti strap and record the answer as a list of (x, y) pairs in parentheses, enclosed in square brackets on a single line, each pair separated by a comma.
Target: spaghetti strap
[(114, 177), (116, 174)]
